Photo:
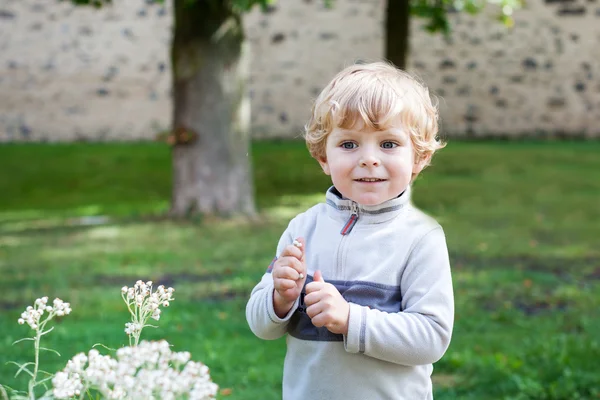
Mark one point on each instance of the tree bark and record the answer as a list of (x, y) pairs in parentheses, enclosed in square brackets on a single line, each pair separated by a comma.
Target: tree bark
[(211, 112), (397, 31)]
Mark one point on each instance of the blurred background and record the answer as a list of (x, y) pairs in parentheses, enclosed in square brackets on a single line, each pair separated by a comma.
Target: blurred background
[(163, 141)]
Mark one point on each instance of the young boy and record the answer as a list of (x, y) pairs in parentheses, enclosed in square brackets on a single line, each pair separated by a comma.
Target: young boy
[(361, 284)]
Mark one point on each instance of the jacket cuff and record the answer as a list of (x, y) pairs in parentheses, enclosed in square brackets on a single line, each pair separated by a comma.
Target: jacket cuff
[(271, 307), (354, 341)]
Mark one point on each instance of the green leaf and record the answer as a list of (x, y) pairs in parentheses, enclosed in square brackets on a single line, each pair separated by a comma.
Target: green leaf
[(435, 12), (46, 332), (21, 340), (101, 345), (50, 350), (13, 391), (47, 396), (3, 392), (23, 367), (44, 380)]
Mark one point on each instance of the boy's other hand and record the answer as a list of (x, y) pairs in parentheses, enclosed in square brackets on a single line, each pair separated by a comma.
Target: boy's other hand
[(326, 306), (289, 275)]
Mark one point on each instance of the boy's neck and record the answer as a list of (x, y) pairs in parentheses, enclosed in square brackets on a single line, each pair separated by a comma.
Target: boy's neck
[(341, 196)]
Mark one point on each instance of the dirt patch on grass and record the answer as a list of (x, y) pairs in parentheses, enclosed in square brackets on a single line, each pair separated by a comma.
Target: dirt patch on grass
[(225, 295), (9, 305), (595, 274), (539, 307), (567, 269)]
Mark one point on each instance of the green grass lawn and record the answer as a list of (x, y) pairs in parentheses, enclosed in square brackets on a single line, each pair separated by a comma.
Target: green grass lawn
[(522, 220)]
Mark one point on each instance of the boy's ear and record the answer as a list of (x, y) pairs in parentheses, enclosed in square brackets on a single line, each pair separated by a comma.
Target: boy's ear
[(324, 165), (421, 161)]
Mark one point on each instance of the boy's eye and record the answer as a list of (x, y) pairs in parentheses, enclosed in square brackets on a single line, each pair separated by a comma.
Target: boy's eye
[(388, 145), (349, 145)]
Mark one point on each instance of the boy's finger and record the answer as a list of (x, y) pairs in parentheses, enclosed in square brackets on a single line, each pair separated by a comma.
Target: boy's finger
[(292, 262), (286, 272), (314, 287), (292, 251), (284, 284), (311, 298), (318, 277), (314, 310), (319, 320)]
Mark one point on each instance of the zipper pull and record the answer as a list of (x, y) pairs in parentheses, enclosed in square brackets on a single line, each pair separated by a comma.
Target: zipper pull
[(351, 221)]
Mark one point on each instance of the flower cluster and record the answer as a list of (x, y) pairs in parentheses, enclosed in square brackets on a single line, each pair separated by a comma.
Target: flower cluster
[(142, 297), (147, 371), (32, 315), (144, 304), (132, 328)]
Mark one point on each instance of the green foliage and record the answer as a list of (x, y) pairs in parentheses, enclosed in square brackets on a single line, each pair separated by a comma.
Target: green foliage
[(93, 3), (436, 11), (238, 6), (242, 6)]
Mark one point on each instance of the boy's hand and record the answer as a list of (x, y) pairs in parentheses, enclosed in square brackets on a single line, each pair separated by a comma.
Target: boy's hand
[(326, 306), (289, 275)]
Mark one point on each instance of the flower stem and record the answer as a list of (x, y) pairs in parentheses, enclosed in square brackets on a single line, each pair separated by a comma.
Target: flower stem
[(32, 381)]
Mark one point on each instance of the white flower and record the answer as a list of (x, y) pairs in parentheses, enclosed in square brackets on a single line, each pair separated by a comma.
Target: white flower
[(32, 314), (144, 304), (66, 385), (147, 371), (132, 328)]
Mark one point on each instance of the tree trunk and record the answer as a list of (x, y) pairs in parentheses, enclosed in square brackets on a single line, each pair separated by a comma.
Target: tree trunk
[(211, 112), (397, 31)]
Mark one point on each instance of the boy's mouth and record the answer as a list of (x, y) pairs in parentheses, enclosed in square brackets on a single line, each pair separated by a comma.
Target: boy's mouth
[(370, 180)]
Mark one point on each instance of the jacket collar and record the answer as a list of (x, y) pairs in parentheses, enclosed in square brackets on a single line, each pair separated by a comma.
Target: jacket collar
[(341, 208)]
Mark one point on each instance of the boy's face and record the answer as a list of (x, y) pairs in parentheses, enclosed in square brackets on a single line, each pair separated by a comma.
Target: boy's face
[(369, 166)]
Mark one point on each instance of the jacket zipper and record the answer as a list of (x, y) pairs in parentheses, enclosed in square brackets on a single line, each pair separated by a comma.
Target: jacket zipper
[(348, 226), (351, 221)]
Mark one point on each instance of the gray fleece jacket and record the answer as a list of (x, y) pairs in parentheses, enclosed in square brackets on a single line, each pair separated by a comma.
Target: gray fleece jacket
[(390, 262)]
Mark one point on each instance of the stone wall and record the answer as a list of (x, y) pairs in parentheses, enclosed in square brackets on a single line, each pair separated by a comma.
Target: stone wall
[(74, 73), (81, 74), (542, 77), (297, 48)]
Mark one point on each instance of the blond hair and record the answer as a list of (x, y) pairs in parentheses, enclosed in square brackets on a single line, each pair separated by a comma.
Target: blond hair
[(373, 96)]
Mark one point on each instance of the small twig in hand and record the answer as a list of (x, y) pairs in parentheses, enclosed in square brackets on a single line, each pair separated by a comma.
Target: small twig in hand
[(298, 245)]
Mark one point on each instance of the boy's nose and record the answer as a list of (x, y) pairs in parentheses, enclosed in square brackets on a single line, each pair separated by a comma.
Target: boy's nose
[(369, 160)]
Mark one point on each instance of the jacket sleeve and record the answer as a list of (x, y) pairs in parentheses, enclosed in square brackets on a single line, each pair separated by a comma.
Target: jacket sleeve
[(260, 312), (419, 334)]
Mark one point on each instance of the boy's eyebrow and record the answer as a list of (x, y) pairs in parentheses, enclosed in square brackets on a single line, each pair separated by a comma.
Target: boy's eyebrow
[(400, 133), (339, 132), (397, 132)]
